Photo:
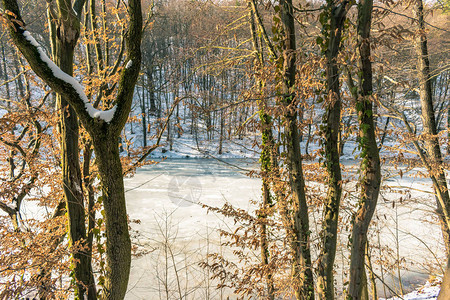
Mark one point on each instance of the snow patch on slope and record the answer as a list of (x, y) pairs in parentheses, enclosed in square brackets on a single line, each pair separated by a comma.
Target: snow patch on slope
[(429, 291)]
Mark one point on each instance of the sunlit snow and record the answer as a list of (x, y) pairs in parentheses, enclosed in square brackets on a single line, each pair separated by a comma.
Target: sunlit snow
[(106, 115), (129, 64)]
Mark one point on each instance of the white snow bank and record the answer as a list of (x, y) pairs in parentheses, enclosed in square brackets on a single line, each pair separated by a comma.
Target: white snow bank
[(106, 115), (429, 291)]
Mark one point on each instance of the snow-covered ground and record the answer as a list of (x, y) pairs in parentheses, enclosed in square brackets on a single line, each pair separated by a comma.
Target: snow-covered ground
[(428, 291)]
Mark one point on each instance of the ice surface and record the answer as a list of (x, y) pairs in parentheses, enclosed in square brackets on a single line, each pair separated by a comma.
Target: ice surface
[(165, 197)]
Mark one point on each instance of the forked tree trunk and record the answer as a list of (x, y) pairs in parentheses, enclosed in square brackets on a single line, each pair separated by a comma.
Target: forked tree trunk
[(370, 175), (325, 278), (104, 129), (303, 282)]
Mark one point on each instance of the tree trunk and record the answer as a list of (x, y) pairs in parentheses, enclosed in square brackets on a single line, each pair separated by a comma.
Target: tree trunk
[(19, 84), (118, 246), (303, 282), (265, 159), (3, 66), (325, 279), (429, 126), (104, 127), (266, 174), (66, 38), (370, 175), (88, 181), (151, 88), (222, 132), (5, 75), (143, 116), (448, 130), (432, 141), (444, 294)]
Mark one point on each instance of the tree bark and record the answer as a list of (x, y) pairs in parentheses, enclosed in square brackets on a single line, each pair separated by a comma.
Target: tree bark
[(325, 278), (63, 44), (144, 115), (5, 74), (432, 141), (303, 282), (265, 159), (429, 126), (118, 245), (370, 175), (105, 134), (444, 294)]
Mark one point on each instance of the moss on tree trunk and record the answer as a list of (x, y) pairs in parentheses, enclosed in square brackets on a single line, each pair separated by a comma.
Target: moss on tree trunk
[(370, 174), (332, 120)]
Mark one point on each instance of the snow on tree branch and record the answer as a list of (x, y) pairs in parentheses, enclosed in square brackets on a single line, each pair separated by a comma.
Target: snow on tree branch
[(106, 115)]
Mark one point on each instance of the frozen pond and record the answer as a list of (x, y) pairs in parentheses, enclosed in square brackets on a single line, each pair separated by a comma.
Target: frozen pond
[(174, 226), (175, 232), (178, 187)]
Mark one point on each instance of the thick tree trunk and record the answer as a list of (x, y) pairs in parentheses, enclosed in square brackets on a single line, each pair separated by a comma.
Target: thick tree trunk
[(325, 279), (118, 245), (370, 175)]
